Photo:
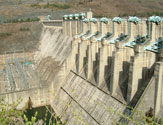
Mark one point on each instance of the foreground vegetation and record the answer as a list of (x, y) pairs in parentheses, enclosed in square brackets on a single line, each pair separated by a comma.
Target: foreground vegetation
[(10, 116)]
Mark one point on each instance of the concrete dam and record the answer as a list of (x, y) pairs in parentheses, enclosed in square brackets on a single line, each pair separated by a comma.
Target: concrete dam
[(90, 70)]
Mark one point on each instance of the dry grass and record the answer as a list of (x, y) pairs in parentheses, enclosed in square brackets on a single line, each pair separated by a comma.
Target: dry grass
[(19, 36), (123, 7), (108, 8)]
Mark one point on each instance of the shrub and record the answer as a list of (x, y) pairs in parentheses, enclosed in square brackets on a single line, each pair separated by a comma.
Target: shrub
[(9, 115), (5, 34), (36, 5), (24, 29), (81, 2), (58, 6), (18, 20)]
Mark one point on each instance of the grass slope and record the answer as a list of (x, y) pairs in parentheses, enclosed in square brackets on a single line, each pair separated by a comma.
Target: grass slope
[(123, 7)]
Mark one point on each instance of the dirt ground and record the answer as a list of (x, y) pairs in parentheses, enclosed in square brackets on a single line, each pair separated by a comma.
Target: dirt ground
[(18, 36), (110, 8)]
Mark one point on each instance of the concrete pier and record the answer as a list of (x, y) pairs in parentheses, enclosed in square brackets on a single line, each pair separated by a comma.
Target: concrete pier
[(116, 31), (104, 66), (159, 87), (74, 27), (68, 28), (120, 71), (92, 59), (82, 54), (141, 69), (85, 43)]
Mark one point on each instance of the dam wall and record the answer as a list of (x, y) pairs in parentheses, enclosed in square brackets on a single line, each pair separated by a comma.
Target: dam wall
[(91, 70), (120, 64)]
